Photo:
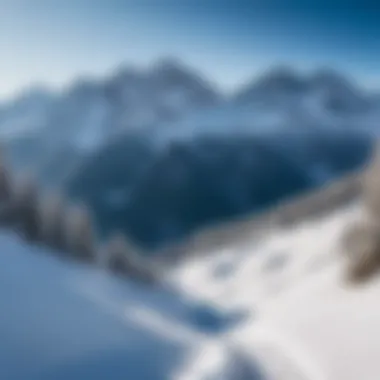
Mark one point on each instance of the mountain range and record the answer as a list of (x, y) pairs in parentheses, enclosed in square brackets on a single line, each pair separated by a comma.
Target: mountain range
[(161, 151), (173, 98)]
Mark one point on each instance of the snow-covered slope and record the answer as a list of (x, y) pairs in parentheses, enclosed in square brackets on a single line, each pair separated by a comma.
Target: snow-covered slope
[(61, 320), (251, 274), (270, 305), (305, 320)]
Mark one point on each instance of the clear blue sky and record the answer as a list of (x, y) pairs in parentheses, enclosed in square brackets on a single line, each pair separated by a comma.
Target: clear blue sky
[(55, 41)]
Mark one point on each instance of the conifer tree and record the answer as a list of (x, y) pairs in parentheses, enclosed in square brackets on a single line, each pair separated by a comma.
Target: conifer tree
[(79, 232), (52, 221), (25, 208)]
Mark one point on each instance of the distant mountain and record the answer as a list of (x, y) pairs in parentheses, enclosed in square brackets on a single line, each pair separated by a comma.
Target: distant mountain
[(129, 98), (91, 112), (324, 96), (164, 94), (174, 100), (286, 82), (177, 100), (273, 85), (285, 100)]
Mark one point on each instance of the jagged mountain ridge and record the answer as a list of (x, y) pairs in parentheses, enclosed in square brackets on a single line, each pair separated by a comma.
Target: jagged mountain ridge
[(39, 127), (92, 109), (284, 82), (171, 93)]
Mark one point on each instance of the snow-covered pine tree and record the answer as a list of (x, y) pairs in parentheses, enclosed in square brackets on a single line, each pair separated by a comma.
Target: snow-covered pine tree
[(5, 192), (25, 207), (79, 232), (52, 221), (5, 182)]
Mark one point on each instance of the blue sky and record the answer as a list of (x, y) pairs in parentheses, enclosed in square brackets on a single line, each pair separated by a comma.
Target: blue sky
[(54, 41)]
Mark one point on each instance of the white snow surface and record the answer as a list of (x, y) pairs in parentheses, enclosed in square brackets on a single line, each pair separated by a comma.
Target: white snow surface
[(304, 320), (300, 319), (61, 320)]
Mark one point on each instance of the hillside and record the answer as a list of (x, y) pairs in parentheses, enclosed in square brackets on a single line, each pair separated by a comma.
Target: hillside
[(310, 205), (63, 320), (292, 273), (72, 308), (159, 196), (306, 321), (274, 299)]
